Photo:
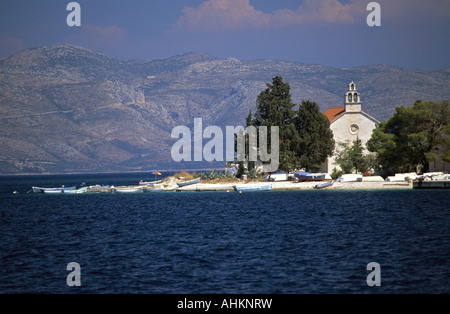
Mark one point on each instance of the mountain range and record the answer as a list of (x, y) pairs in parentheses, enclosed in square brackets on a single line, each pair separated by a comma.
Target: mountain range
[(67, 109)]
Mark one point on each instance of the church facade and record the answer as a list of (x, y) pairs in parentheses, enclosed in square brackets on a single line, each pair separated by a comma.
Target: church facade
[(349, 123)]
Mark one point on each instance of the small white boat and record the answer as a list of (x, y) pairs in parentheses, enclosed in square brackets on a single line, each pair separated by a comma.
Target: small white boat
[(186, 183), (37, 189), (324, 185), (267, 187), (307, 176), (127, 189), (76, 191), (149, 183), (53, 190)]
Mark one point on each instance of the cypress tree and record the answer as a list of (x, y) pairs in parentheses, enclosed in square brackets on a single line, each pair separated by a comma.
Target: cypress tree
[(274, 107), (315, 141)]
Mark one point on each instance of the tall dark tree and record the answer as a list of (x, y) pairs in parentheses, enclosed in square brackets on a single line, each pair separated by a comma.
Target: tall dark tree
[(274, 107), (249, 122), (415, 135), (315, 141)]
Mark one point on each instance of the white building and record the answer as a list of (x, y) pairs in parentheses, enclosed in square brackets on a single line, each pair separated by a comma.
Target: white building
[(349, 122)]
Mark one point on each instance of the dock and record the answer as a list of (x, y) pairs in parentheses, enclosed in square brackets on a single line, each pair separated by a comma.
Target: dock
[(432, 184)]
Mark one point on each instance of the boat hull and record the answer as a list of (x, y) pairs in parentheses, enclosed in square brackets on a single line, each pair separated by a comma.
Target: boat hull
[(324, 185), (76, 191), (267, 187), (53, 190), (127, 190), (188, 182), (306, 176)]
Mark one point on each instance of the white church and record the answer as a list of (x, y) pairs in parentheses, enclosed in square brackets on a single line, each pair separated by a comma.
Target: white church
[(349, 122)]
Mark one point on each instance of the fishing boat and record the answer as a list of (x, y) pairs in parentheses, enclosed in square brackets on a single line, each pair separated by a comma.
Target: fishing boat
[(36, 189), (52, 190), (323, 185), (307, 176), (76, 191), (149, 183), (253, 188), (185, 183), (127, 189)]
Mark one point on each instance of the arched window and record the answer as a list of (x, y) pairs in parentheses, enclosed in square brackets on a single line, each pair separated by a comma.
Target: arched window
[(349, 97), (355, 97), (352, 86)]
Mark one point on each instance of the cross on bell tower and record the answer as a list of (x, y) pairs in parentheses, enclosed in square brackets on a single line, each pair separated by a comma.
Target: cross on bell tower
[(352, 99)]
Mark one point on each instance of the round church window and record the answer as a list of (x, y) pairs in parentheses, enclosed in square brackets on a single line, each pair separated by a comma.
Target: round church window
[(354, 129)]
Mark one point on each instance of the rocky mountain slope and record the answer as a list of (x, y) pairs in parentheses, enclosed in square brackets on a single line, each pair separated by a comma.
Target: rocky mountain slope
[(69, 109)]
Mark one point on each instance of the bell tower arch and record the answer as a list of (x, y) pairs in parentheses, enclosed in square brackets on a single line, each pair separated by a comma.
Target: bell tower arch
[(352, 99)]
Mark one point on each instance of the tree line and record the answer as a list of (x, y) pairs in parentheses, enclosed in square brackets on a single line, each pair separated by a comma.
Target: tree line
[(306, 140), (413, 136)]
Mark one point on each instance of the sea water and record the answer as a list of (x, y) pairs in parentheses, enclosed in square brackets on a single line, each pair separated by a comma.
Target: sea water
[(286, 242)]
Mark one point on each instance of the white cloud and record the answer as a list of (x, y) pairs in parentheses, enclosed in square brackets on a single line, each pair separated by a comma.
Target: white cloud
[(236, 15), (219, 15)]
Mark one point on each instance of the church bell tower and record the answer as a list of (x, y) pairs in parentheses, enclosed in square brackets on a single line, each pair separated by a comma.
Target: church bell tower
[(352, 100)]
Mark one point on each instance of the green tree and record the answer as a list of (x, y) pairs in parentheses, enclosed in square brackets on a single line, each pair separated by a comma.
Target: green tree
[(315, 141), (415, 135), (274, 107), (351, 157)]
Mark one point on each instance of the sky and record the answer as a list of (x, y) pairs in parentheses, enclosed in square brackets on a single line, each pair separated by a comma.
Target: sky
[(413, 33)]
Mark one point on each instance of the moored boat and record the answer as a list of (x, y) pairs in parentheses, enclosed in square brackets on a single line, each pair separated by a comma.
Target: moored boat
[(324, 185), (53, 190), (181, 184), (308, 176), (36, 189), (149, 183), (76, 191), (127, 189), (266, 187)]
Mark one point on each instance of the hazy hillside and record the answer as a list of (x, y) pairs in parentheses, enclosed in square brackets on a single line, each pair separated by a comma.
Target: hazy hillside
[(69, 109)]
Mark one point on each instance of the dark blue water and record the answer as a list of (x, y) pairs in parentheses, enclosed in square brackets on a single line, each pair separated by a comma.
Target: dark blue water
[(218, 242)]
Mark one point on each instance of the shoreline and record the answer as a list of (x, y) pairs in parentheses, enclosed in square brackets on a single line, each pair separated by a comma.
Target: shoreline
[(290, 186)]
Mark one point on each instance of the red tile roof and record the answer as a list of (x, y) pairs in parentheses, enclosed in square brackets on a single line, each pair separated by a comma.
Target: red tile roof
[(334, 113)]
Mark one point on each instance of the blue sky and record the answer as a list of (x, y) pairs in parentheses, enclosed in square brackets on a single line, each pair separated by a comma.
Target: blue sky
[(413, 33)]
